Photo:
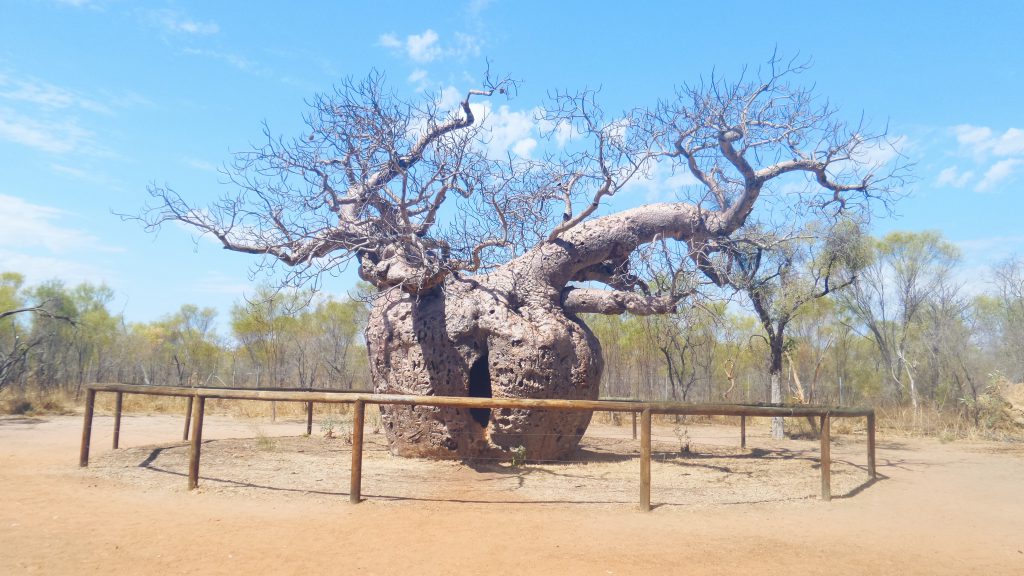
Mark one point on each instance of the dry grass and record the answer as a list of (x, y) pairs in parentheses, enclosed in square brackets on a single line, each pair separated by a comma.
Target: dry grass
[(1001, 414), (36, 404)]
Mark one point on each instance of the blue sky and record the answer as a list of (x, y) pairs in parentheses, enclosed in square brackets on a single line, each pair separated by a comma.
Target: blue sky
[(99, 98)]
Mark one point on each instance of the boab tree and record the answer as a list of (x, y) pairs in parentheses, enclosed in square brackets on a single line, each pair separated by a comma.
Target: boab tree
[(484, 262)]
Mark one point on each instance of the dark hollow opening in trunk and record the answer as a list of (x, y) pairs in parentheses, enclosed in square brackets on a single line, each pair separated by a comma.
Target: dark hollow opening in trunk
[(480, 387)]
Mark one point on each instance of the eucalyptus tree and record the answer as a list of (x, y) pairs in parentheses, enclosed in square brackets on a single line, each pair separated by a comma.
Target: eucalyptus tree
[(908, 271), (485, 261), (14, 345), (193, 345), (1005, 311), (780, 276)]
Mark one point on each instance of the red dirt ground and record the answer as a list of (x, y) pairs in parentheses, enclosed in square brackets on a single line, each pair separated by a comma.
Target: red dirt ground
[(952, 508)]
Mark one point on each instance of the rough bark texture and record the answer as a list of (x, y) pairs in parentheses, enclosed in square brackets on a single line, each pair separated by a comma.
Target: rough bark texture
[(511, 333), (483, 336)]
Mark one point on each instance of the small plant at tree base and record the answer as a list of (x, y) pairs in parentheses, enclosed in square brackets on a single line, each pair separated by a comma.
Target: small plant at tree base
[(264, 442), (327, 427), (518, 456)]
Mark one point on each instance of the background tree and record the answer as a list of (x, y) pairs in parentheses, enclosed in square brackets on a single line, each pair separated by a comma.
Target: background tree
[(265, 325), (907, 272), (781, 276), (685, 342), (1003, 311), (192, 341), (336, 333), (484, 264)]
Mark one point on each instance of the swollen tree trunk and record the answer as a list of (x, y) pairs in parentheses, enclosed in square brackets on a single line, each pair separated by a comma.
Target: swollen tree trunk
[(512, 333), (481, 337)]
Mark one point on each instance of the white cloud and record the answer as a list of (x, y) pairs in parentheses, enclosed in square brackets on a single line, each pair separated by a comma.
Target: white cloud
[(38, 269), (420, 78), (1011, 143), (523, 148), (45, 95), (982, 141), (85, 175), (423, 47), (240, 62), (389, 41), (616, 130), (198, 164), (564, 132), (466, 45), (997, 157), (660, 183), (972, 135), (979, 256), (220, 283), (76, 3), (173, 21), (951, 176), (41, 115), (992, 247), (882, 151), (24, 225), (998, 172), (427, 47), (506, 130), (450, 98), (475, 7), (61, 136)]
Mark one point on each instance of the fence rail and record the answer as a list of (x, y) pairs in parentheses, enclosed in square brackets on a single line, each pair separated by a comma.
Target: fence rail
[(197, 400)]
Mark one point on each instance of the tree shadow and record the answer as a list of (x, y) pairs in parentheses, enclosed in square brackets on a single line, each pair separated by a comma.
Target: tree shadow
[(496, 471), (18, 420)]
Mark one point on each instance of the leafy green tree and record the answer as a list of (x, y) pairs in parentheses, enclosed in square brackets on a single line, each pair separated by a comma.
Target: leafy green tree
[(13, 345), (97, 332), (193, 347), (264, 325), (336, 327)]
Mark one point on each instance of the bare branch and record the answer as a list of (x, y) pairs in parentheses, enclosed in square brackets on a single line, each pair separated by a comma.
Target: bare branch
[(588, 300)]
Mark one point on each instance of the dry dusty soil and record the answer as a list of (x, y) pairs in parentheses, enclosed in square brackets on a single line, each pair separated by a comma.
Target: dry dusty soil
[(272, 501)]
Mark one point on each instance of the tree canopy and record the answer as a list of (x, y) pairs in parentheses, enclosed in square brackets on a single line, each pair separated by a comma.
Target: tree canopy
[(410, 189)]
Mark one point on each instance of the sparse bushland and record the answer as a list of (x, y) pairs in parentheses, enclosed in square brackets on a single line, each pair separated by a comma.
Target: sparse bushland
[(958, 348)]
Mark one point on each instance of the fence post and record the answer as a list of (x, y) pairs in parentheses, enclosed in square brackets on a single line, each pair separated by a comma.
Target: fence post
[(309, 418), (197, 442), (188, 418), (645, 460), (826, 458), (743, 431), (356, 479), (871, 445), (634, 424), (90, 402), (118, 404)]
